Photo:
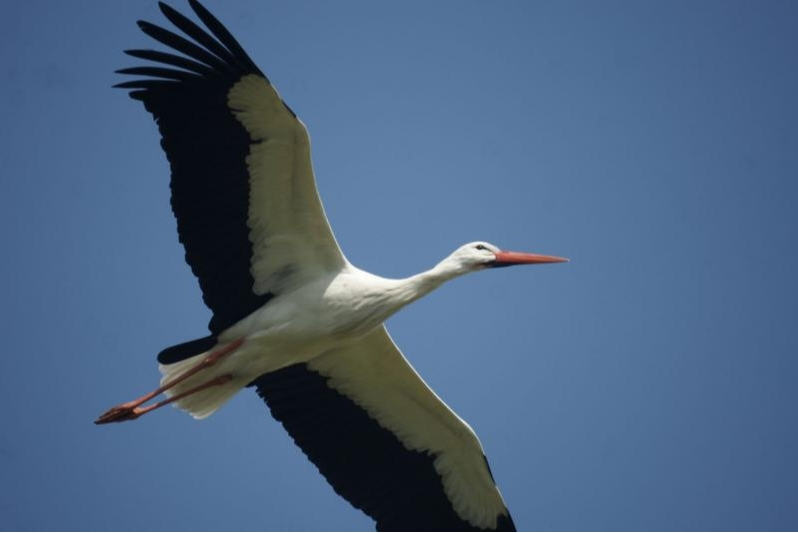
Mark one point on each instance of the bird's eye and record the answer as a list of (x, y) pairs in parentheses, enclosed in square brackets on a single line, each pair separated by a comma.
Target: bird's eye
[(481, 247)]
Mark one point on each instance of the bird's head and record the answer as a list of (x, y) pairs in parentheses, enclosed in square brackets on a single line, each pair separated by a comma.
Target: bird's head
[(480, 255)]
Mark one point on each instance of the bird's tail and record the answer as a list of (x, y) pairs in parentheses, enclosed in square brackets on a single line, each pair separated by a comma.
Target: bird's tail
[(205, 402)]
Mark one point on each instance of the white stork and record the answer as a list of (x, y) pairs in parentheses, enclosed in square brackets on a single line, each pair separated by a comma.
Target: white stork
[(291, 316)]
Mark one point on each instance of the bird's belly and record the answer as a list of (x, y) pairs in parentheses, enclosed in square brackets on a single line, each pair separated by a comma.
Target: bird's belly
[(269, 346), (304, 324), (323, 320)]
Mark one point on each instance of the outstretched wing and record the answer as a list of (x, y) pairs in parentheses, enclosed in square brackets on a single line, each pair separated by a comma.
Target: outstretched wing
[(385, 441), (243, 190)]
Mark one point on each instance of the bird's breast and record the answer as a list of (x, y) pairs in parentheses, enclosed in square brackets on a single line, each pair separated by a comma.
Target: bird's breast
[(327, 311)]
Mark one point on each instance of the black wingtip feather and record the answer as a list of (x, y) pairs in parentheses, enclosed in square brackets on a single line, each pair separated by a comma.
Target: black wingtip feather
[(198, 34), (174, 60), (183, 45), (159, 72), (224, 35), (149, 84)]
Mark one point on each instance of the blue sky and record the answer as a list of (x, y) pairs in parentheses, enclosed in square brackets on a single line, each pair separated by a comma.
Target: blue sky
[(648, 384)]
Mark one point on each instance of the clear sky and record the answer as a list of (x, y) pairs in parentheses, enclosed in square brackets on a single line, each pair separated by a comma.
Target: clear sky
[(648, 384)]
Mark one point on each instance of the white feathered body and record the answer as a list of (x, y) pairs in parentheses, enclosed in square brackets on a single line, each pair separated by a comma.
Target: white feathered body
[(328, 313)]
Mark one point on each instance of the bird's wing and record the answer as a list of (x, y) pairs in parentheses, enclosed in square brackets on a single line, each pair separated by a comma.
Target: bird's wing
[(385, 441), (243, 189)]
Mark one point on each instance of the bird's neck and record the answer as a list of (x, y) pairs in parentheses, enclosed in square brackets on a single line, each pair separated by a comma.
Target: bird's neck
[(379, 298), (410, 289)]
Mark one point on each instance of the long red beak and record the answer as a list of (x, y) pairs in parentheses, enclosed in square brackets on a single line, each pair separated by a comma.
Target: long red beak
[(504, 259)]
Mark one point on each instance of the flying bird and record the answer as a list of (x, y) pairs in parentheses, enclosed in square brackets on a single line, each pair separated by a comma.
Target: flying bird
[(292, 317)]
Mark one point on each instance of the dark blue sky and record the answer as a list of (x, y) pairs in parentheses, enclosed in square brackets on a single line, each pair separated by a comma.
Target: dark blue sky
[(648, 384)]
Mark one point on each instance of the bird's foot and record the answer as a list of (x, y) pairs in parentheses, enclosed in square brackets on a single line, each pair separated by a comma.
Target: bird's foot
[(120, 413)]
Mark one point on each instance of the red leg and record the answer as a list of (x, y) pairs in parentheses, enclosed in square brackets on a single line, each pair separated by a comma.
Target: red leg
[(125, 410), (135, 412)]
